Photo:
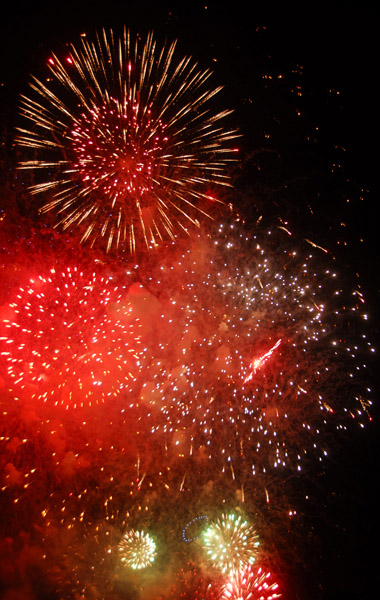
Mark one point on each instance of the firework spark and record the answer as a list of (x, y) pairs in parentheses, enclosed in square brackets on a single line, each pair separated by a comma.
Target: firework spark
[(138, 159), (230, 543), (71, 339)]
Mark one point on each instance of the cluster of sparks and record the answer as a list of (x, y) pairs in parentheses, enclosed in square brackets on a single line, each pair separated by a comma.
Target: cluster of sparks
[(70, 339), (257, 341), (137, 162)]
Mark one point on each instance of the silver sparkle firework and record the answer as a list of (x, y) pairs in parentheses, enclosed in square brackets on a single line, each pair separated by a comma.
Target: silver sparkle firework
[(269, 351), (126, 140)]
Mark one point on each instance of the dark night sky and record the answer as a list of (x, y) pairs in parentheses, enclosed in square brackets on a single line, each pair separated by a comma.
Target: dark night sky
[(337, 52)]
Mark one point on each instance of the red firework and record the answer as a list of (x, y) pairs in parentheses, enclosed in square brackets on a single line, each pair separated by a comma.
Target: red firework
[(250, 584), (70, 339), (138, 161)]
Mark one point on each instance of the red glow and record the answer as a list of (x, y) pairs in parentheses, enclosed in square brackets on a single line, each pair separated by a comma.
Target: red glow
[(71, 339)]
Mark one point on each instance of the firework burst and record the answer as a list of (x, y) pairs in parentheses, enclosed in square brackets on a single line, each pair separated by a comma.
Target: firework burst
[(137, 549), (250, 584), (230, 543), (252, 346), (139, 158), (70, 339)]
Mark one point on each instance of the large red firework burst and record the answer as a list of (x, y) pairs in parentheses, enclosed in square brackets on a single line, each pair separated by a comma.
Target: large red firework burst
[(70, 339), (139, 158)]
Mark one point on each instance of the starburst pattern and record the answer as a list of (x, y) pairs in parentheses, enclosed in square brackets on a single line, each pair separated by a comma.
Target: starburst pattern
[(71, 339), (230, 543), (137, 549), (250, 584), (139, 158)]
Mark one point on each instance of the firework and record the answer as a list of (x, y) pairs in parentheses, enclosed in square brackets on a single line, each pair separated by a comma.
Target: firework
[(230, 543), (261, 350), (137, 549), (249, 584), (71, 339), (139, 157)]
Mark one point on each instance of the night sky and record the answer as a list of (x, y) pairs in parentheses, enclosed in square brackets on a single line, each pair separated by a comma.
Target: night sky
[(302, 86)]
